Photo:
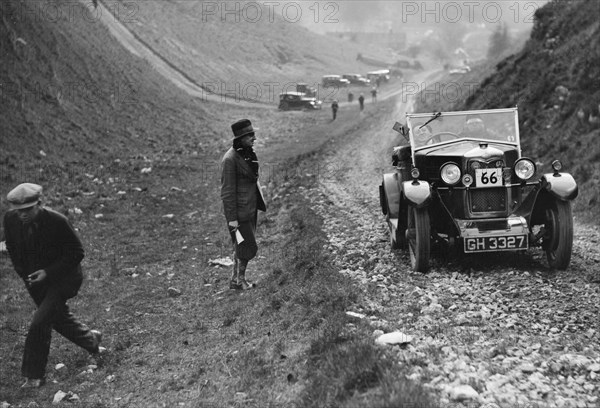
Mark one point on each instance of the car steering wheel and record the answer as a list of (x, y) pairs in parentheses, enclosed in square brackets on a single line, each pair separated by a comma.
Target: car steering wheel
[(437, 137)]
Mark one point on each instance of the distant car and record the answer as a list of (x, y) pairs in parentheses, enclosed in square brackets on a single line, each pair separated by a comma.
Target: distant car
[(356, 79), (462, 183), (298, 100), (460, 70), (382, 75), (334, 81), (408, 65), (306, 89)]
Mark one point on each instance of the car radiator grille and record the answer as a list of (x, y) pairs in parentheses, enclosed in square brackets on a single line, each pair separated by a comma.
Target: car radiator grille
[(488, 199)]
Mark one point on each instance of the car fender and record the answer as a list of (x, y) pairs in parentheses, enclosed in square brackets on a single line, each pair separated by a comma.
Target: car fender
[(390, 195), (417, 193), (561, 185)]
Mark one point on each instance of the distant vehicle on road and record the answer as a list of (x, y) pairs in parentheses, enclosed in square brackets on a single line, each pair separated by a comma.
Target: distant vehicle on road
[(298, 100), (381, 74), (416, 65), (334, 81), (306, 89), (462, 183), (356, 79), (460, 70)]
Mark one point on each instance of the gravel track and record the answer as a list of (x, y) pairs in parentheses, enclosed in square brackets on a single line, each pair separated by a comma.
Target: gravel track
[(500, 330)]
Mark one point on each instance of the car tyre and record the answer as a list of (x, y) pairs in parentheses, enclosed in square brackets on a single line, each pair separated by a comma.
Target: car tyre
[(284, 106), (397, 238), (558, 239), (418, 235)]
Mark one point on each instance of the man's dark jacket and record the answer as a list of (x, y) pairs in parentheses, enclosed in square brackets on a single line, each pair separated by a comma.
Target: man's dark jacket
[(54, 247)]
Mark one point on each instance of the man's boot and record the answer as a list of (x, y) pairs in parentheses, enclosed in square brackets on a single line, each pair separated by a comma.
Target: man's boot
[(244, 284), (233, 281)]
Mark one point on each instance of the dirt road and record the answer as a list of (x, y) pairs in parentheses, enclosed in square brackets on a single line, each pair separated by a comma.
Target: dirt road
[(504, 328), (138, 47)]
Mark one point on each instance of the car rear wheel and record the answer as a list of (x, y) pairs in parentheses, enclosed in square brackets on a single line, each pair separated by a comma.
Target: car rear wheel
[(558, 238), (284, 106), (418, 235)]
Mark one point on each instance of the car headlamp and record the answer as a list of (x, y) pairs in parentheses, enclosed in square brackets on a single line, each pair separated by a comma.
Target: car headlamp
[(450, 173), (524, 169), (415, 173)]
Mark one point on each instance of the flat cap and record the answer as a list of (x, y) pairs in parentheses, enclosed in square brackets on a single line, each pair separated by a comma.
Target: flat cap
[(24, 195)]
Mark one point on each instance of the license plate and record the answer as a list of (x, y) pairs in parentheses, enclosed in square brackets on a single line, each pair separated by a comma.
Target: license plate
[(488, 177), (489, 244)]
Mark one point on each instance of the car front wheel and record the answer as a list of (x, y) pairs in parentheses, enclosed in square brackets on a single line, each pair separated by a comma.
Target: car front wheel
[(418, 235), (558, 238)]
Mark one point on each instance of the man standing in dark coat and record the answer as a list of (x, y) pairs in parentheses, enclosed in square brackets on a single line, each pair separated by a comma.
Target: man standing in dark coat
[(242, 198), (46, 253), (334, 108)]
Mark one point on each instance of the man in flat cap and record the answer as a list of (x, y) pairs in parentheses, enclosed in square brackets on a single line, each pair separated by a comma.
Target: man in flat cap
[(242, 198), (46, 253)]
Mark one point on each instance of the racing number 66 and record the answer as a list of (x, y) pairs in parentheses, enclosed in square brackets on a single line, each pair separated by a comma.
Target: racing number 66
[(492, 179), (488, 177)]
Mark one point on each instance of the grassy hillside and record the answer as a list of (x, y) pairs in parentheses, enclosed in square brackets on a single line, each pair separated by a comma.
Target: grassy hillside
[(74, 99), (241, 51), (554, 80)]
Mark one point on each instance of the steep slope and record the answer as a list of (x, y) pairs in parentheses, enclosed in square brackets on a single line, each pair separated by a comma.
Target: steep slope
[(555, 82), (72, 94)]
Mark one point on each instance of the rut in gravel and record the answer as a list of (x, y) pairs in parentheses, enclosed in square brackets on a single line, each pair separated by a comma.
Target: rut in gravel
[(503, 326)]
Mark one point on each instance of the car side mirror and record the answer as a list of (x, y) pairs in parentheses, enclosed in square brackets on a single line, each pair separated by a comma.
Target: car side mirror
[(403, 130)]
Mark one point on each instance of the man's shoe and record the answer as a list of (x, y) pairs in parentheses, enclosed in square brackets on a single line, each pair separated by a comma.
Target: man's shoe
[(97, 339), (245, 285), (33, 383), (234, 285)]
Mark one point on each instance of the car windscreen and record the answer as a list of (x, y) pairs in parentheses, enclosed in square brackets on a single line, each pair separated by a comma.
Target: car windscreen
[(499, 125)]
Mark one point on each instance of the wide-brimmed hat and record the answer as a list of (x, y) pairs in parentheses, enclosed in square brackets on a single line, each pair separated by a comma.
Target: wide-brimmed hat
[(24, 196), (242, 128)]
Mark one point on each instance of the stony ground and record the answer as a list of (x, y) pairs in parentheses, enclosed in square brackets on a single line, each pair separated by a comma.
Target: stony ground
[(500, 329)]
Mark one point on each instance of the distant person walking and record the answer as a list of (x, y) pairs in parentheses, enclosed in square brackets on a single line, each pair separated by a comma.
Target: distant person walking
[(374, 94), (46, 253), (242, 198), (334, 108), (361, 101)]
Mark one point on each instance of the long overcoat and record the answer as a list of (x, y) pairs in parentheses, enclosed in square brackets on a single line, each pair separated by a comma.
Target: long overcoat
[(240, 189)]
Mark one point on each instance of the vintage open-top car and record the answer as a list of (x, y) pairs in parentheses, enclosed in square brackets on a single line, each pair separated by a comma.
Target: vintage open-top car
[(462, 182)]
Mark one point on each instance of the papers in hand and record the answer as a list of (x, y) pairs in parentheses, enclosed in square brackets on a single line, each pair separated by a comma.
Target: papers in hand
[(238, 236)]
